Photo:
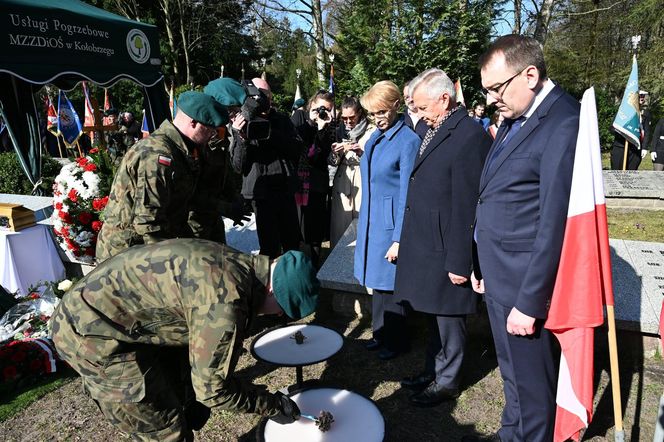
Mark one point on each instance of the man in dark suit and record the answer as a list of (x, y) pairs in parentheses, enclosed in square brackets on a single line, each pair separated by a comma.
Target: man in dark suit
[(521, 215), (435, 259), (410, 117)]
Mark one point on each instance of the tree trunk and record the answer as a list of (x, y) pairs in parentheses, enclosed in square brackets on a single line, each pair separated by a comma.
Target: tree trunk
[(517, 17), (543, 19), (185, 44), (168, 22), (319, 39)]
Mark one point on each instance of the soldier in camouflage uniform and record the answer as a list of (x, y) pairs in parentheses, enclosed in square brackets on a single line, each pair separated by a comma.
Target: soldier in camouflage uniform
[(152, 189), (158, 323)]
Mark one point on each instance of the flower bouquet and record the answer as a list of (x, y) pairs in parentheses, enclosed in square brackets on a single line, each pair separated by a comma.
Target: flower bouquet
[(80, 193)]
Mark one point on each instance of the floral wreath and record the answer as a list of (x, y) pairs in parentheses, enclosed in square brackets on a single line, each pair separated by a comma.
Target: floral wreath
[(80, 194)]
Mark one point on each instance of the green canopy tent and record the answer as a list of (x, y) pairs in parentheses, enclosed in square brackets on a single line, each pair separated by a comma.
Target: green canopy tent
[(63, 42)]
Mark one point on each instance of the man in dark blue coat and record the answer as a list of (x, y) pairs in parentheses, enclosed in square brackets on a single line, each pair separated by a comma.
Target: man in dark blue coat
[(435, 259), (521, 215)]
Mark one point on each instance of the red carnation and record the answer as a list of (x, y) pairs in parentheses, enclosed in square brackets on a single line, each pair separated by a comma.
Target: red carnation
[(73, 195), (96, 225), (90, 167), (94, 150), (81, 161), (66, 217), (33, 295), (99, 203), (85, 217), (58, 206)]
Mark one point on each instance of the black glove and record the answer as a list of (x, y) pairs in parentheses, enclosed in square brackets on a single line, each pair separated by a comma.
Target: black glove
[(196, 415), (288, 410), (240, 212)]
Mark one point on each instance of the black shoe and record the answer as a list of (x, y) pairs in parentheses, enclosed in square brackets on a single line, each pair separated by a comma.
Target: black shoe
[(387, 354), (473, 438), (418, 382), (373, 345), (433, 395)]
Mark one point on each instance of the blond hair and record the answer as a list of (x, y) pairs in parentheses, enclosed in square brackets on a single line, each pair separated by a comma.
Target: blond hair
[(382, 95)]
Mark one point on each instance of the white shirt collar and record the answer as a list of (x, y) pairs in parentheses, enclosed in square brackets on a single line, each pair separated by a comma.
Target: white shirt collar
[(541, 95)]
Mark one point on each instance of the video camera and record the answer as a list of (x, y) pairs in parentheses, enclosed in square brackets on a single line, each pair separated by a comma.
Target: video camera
[(256, 104)]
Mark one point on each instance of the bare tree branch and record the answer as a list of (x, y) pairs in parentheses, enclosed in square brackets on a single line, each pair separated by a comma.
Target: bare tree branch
[(576, 14)]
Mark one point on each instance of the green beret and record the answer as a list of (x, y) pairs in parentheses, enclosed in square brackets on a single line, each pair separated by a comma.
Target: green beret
[(203, 108), (226, 91), (298, 103), (295, 285)]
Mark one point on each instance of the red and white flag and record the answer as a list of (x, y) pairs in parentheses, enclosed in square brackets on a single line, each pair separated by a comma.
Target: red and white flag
[(583, 283), (51, 117), (89, 120), (107, 105)]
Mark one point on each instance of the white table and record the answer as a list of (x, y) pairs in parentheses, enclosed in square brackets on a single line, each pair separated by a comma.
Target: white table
[(28, 256)]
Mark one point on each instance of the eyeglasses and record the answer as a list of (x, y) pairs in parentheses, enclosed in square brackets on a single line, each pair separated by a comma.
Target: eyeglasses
[(496, 92), (351, 118)]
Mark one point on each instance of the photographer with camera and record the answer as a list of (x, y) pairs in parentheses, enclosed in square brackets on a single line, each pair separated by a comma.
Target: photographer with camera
[(318, 134), (265, 150)]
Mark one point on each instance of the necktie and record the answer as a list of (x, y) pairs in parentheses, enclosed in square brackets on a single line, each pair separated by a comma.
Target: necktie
[(515, 126)]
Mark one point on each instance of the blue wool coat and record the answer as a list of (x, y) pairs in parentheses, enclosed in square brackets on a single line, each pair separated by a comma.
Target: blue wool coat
[(385, 168)]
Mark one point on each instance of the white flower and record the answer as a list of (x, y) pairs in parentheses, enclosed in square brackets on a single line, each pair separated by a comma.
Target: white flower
[(64, 285)]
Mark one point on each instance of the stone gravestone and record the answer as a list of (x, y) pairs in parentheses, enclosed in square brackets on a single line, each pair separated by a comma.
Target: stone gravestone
[(635, 189)]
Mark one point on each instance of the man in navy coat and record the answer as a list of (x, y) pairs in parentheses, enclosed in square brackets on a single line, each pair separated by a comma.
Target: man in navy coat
[(521, 214), (435, 262)]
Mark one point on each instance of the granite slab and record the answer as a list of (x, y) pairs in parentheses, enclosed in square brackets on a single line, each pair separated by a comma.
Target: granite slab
[(337, 271), (633, 184), (243, 238)]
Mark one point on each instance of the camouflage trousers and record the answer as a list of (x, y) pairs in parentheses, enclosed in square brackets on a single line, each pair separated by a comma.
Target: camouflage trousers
[(168, 412)]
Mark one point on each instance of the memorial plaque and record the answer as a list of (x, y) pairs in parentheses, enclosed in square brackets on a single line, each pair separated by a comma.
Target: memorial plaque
[(633, 184), (638, 284)]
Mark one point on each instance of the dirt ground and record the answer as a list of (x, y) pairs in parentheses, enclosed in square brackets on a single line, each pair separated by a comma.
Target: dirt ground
[(67, 415)]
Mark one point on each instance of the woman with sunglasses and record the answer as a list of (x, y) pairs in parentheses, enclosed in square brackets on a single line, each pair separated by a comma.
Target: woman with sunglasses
[(352, 134), (385, 168)]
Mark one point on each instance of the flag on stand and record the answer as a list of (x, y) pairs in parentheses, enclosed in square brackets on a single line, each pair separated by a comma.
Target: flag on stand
[(583, 283), (51, 117), (172, 102), (628, 118), (331, 86), (69, 124), (89, 118), (145, 127), (107, 105), (459, 92)]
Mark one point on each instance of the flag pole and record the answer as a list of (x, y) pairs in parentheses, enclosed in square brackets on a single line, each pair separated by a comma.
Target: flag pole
[(57, 139), (619, 433), (625, 155), (80, 152)]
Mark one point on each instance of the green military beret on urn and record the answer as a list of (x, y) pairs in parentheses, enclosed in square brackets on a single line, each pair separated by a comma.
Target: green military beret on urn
[(203, 108)]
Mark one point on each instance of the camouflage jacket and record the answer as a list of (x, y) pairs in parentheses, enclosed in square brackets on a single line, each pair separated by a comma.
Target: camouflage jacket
[(178, 293), (150, 195)]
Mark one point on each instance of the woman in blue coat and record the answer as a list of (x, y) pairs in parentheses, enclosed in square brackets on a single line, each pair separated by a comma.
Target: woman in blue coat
[(385, 168)]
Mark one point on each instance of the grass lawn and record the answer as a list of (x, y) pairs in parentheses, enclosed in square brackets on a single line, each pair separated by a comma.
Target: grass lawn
[(18, 396)]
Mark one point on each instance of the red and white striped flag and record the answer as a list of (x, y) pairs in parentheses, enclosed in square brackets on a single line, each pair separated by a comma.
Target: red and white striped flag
[(583, 283), (107, 105), (51, 117), (89, 118)]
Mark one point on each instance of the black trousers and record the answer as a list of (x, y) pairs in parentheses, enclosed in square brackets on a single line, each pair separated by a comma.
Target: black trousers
[(446, 349), (388, 321), (277, 223), (618, 153)]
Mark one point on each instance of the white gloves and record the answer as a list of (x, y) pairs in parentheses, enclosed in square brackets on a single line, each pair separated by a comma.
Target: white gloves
[(653, 155), (644, 152)]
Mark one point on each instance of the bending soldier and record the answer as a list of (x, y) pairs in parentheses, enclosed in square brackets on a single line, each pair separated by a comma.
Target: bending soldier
[(156, 332)]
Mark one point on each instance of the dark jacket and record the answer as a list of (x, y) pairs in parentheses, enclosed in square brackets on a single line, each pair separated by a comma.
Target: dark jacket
[(436, 236), (268, 165), (658, 141), (318, 145)]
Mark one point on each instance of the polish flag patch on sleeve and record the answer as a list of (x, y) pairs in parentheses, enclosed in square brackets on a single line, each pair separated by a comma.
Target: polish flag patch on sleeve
[(164, 160)]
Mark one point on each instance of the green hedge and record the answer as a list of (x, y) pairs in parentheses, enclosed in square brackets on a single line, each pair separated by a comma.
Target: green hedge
[(14, 180)]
